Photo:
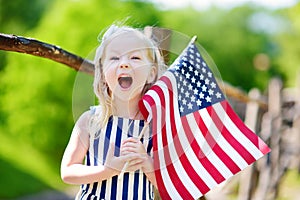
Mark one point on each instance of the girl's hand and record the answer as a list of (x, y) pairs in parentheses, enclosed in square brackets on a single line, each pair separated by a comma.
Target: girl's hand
[(116, 164), (139, 159)]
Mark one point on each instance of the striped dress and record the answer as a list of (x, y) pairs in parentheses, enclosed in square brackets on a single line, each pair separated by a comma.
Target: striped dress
[(129, 185)]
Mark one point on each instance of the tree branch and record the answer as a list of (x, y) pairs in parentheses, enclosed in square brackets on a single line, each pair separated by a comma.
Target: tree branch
[(41, 49), (55, 53)]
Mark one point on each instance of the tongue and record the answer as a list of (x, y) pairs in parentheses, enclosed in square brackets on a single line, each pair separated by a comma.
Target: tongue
[(125, 82)]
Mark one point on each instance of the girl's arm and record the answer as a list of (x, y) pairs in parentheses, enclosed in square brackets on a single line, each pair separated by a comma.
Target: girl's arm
[(73, 171)]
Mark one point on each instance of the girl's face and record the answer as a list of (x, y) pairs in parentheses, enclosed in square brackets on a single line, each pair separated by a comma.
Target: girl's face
[(127, 66)]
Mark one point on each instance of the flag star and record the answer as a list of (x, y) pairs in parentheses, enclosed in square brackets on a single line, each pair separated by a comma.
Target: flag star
[(176, 73), (198, 54), (190, 87), (199, 103), (204, 64), (209, 74), (193, 80), (184, 58), (193, 98), (204, 88), (191, 68), (184, 64), (192, 62), (187, 94), (206, 81), (196, 72), (181, 109), (191, 56), (197, 66), (178, 85), (201, 95), (184, 82), (208, 99), (180, 78), (196, 91), (201, 77), (179, 97), (198, 84), (210, 92), (187, 75), (213, 85), (218, 95), (184, 101), (182, 90), (198, 60), (190, 106), (203, 70), (177, 66), (182, 71)]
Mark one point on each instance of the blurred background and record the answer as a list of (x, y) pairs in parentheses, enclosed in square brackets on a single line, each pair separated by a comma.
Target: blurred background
[(250, 42)]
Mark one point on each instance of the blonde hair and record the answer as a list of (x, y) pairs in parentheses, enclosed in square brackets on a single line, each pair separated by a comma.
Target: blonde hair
[(101, 89)]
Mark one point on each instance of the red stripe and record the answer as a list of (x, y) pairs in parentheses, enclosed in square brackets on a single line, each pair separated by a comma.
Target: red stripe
[(210, 168), (231, 165), (244, 129), (229, 137), (170, 167), (188, 168), (160, 183)]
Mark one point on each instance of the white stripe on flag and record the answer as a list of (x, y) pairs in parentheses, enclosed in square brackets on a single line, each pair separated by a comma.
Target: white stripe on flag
[(252, 149), (236, 157), (187, 182), (210, 154), (163, 169)]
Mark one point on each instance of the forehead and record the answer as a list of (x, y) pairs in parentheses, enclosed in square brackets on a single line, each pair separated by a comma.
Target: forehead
[(127, 42)]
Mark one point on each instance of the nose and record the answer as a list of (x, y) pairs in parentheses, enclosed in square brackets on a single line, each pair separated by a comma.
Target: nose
[(124, 64)]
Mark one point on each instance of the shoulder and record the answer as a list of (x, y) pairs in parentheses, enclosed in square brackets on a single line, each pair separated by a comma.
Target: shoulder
[(88, 115)]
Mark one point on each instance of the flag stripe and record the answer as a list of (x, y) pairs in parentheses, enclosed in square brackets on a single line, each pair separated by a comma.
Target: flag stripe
[(183, 167), (219, 159), (161, 173), (228, 136), (231, 165), (259, 145), (174, 145)]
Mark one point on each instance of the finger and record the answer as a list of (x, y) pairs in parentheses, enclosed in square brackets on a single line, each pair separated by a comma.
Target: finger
[(130, 139)]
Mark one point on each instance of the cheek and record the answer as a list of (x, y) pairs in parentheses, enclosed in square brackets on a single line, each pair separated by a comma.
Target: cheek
[(110, 78)]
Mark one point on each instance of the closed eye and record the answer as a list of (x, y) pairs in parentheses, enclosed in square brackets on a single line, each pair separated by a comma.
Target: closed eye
[(135, 58), (114, 58)]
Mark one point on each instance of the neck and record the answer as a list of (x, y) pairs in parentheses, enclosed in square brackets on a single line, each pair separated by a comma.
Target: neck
[(126, 108)]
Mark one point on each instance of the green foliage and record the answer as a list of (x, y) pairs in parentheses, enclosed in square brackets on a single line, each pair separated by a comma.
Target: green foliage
[(36, 93), (36, 113), (288, 58), (228, 38)]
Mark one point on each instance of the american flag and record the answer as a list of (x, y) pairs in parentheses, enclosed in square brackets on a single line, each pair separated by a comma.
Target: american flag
[(198, 139)]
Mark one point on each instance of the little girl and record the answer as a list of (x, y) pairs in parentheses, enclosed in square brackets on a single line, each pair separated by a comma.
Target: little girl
[(107, 139)]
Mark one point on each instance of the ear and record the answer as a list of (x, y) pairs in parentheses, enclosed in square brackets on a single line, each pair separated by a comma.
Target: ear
[(152, 75)]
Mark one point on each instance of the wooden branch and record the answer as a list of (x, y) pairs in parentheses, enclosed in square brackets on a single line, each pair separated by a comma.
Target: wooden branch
[(55, 53), (41, 49)]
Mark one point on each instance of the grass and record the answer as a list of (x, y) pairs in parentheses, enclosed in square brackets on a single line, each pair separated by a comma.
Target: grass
[(290, 187)]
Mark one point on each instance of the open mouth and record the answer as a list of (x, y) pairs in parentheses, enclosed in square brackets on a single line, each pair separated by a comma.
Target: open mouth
[(125, 81)]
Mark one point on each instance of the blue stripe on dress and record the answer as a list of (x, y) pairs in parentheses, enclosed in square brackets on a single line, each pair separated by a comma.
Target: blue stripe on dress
[(136, 184), (117, 153), (125, 186), (107, 138), (144, 187)]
